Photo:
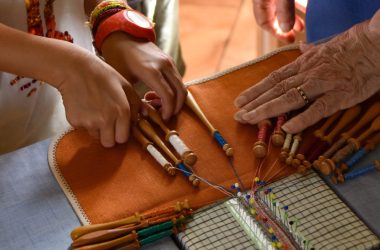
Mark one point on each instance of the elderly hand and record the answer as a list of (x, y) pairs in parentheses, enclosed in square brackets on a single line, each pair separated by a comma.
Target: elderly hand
[(278, 17), (140, 60), (335, 75)]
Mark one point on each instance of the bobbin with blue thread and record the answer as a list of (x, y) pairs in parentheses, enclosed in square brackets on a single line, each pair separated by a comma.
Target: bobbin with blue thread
[(370, 145), (193, 105), (359, 172)]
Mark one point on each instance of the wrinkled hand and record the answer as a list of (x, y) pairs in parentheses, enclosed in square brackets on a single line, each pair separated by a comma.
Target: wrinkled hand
[(140, 60), (97, 98), (335, 75), (278, 17)]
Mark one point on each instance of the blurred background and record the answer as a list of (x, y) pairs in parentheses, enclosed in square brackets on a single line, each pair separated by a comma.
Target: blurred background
[(216, 35)]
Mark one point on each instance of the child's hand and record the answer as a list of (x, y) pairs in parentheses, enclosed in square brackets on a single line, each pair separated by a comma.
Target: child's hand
[(97, 98), (144, 61)]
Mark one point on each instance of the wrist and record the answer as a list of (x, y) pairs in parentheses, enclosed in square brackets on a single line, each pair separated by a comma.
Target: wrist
[(130, 22)]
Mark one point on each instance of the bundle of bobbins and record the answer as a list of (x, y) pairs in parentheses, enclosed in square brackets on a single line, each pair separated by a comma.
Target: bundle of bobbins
[(326, 166), (337, 138), (347, 165), (369, 116), (337, 156), (144, 132), (132, 232)]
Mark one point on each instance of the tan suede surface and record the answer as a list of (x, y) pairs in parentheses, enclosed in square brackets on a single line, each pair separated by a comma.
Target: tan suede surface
[(113, 183)]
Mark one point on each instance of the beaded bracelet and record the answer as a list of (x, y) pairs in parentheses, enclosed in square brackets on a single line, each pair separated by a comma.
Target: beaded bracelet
[(104, 6), (103, 16)]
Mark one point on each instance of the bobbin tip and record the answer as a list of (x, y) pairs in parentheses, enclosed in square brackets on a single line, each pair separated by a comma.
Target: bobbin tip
[(296, 163), (326, 167), (190, 158), (283, 155), (301, 169), (170, 169), (229, 152), (306, 164), (260, 150), (334, 179), (289, 160), (278, 139), (194, 180)]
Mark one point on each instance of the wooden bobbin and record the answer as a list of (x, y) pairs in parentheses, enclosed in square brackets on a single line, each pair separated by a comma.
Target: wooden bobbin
[(82, 230), (348, 116), (286, 147), (296, 142), (193, 105), (146, 144), (305, 148), (353, 145), (278, 136), (341, 178), (150, 133), (188, 156), (371, 113), (369, 146), (260, 146)]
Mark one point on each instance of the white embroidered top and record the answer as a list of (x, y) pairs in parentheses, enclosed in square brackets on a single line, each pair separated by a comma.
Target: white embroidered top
[(30, 110)]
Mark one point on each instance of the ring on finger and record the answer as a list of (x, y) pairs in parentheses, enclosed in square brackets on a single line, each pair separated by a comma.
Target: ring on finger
[(303, 95)]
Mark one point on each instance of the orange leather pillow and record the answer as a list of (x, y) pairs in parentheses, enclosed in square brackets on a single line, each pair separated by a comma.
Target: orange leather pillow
[(108, 184)]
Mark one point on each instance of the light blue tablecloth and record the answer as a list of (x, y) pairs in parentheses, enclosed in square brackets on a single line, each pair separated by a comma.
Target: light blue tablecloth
[(34, 213)]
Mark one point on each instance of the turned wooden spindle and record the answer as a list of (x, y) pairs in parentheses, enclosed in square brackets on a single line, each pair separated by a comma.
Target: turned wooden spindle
[(146, 144), (278, 136), (356, 173), (369, 146), (328, 165), (151, 134), (193, 105), (188, 156), (260, 146), (371, 113), (286, 147), (82, 230), (348, 116), (309, 144), (293, 150)]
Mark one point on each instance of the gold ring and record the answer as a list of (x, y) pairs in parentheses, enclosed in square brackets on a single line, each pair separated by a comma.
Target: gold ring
[(303, 95)]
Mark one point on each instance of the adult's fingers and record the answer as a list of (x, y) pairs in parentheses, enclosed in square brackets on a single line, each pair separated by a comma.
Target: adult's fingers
[(267, 83), (290, 101), (285, 12), (322, 107), (264, 11), (278, 90), (299, 24), (122, 127), (175, 81)]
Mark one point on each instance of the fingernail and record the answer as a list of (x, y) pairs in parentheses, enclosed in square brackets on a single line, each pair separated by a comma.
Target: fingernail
[(240, 101), (285, 27), (239, 115), (249, 117)]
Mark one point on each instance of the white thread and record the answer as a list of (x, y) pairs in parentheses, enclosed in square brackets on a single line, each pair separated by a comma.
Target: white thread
[(287, 142), (157, 155), (178, 144)]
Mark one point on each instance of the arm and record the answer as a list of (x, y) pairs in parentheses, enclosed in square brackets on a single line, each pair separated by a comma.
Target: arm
[(139, 60), (95, 96), (335, 75)]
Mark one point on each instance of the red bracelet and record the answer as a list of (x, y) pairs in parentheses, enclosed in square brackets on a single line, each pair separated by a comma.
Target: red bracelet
[(128, 21)]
